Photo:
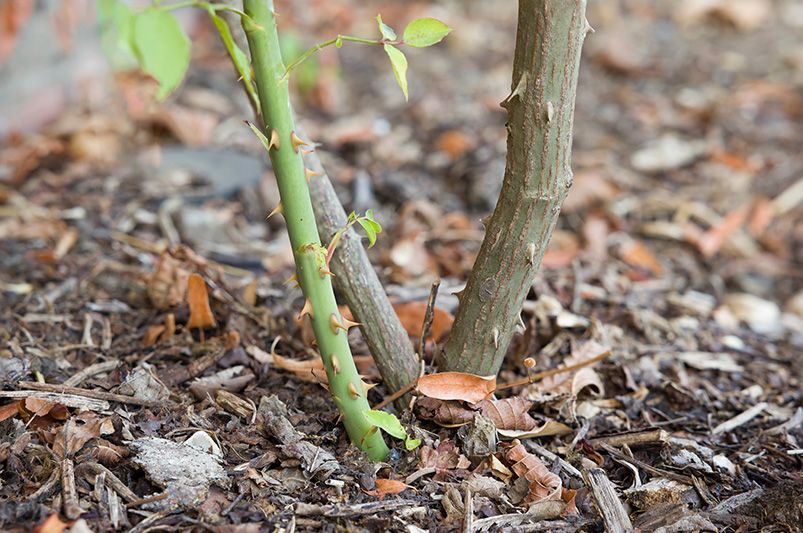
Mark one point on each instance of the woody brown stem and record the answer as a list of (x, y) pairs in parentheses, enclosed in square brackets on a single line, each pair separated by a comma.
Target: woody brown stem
[(538, 175)]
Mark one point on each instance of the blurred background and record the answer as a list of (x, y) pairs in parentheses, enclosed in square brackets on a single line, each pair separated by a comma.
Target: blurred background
[(687, 151)]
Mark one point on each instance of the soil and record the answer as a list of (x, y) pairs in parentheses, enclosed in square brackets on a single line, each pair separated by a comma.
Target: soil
[(678, 256)]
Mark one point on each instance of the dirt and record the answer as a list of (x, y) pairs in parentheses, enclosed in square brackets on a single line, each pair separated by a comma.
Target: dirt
[(678, 256)]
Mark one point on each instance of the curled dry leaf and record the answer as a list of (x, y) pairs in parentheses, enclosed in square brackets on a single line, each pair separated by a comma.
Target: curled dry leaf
[(544, 485), (509, 413), (76, 432), (201, 316), (411, 315), (387, 486), (573, 382), (168, 283), (445, 458), (456, 386)]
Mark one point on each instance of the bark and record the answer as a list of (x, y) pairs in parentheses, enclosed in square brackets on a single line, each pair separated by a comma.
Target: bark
[(538, 175), (359, 285)]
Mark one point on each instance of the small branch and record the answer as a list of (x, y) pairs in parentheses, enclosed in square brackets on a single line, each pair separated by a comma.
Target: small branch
[(69, 493), (94, 394), (553, 371), (320, 46), (429, 316)]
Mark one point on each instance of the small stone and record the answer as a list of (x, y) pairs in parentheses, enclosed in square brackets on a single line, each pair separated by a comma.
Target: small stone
[(760, 315)]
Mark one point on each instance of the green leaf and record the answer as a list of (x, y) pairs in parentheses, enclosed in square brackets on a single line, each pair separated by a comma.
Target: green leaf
[(387, 423), (162, 48), (411, 444), (399, 64), (116, 22), (386, 31), (424, 32), (370, 232), (238, 57), (264, 140)]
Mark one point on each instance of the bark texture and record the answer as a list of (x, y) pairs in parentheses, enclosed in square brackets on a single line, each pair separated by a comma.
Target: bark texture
[(538, 175), (356, 279)]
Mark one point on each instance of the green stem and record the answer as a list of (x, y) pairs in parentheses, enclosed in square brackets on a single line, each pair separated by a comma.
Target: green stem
[(345, 383), (340, 38)]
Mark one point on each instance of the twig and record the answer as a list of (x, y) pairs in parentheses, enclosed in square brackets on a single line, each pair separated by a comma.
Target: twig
[(429, 316), (610, 507), (68, 400), (92, 370), (111, 480), (401, 392), (740, 419), (468, 506), (649, 468), (538, 376), (69, 493), (88, 393), (48, 487), (148, 499)]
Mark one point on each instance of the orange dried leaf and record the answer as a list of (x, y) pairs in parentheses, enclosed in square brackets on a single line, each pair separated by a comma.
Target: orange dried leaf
[(411, 315), (168, 283), (509, 413), (457, 386), (52, 524), (9, 410), (152, 334), (310, 370), (712, 240), (636, 254), (201, 316), (387, 486), (544, 485)]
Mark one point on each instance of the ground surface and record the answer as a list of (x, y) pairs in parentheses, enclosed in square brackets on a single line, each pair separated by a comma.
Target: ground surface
[(680, 250)]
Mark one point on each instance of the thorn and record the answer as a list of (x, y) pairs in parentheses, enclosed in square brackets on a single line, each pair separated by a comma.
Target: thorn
[(531, 253), (366, 386), (588, 28), (520, 327), (296, 141), (335, 364), (309, 173), (485, 220), (550, 112), (274, 139), (307, 152), (278, 210), (291, 279), (335, 324), (496, 338), (353, 391), (349, 324), (459, 294), (306, 310), (326, 272)]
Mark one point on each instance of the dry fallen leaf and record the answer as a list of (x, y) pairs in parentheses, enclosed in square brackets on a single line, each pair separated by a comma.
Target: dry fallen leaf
[(456, 386), (544, 485), (52, 524), (76, 432), (547, 429), (636, 254), (168, 283), (201, 316), (444, 458), (312, 369), (509, 413), (387, 486), (573, 382), (411, 315), (9, 410)]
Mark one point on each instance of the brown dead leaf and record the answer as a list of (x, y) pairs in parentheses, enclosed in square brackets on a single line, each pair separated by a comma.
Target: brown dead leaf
[(509, 413), (456, 386), (544, 485), (167, 285), (573, 382), (453, 143), (75, 433), (52, 524), (447, 413), (312, 370), (193, 127), (10, 410), (411, 315), (201, 316), (636, 254), (445, 458), (13, 15), (712, 240), (387, 486), (42, 408)]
